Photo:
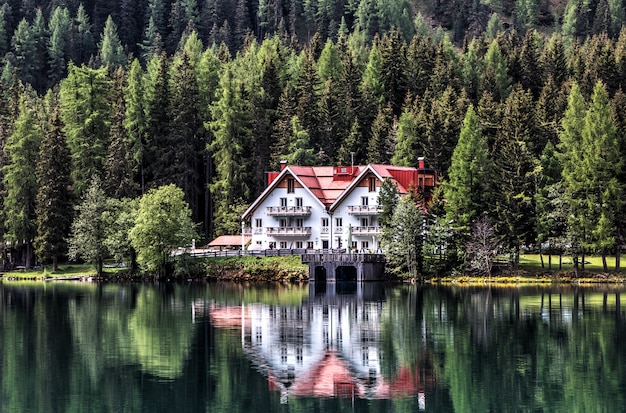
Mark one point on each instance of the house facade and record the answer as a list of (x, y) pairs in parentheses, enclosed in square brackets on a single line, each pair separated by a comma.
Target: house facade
[(328, 207)]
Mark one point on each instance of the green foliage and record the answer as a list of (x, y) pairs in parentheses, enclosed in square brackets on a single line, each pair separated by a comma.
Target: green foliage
[(402, 240), (85, 110), (468, 188), (20, 179), (87, 235), (53, 200), (163, 225)]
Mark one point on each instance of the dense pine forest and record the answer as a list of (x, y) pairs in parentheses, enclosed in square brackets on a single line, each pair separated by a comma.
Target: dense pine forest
[(519, 105)]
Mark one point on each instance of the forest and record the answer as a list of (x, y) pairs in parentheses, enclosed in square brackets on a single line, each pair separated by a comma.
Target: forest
[(519, 106)]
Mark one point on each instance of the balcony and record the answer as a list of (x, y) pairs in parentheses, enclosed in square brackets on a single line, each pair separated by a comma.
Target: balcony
[(285, 211), (364, 209), (288, 231), (365, 230)]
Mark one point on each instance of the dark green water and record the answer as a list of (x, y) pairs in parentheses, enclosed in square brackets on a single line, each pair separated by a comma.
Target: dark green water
[(367, 348)]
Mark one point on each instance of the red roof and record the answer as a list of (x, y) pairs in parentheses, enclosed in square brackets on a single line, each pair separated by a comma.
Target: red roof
[(229, 241), (328, 183)]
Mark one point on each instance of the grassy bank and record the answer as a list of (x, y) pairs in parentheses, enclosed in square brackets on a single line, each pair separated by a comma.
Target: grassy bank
[(285, 268), (290, 268), (65, 271)]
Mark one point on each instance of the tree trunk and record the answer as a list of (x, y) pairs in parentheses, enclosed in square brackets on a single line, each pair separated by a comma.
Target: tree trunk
[(55, 264), (617, 258), (604, 266)]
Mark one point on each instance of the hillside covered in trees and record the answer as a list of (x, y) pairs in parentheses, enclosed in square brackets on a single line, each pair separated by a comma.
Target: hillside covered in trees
[(519, 105)]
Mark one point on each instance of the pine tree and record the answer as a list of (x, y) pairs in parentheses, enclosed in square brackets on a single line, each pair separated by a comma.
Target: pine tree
[(407, 145), (380, 147), (156, 101), (25, 49), (135, 121), (468, 188), (85, 110), (496, 79), (88, 229), (604, 166), (83, 43), (20, 179), (111, 50), (58, 45), (120, 165), (53, 199), (574, 172), (183, 165), (394, 64), (231, 128), (300, 152)]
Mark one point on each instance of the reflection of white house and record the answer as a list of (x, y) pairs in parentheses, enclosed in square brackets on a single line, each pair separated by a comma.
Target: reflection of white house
[(318, 349), (320, 207)]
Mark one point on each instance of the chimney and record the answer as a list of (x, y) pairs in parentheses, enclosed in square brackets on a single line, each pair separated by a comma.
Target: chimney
[(420, 162), (283, 164)]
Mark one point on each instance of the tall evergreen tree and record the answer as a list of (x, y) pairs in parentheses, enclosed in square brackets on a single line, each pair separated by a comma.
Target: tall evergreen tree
[(58, 45), (85, 110), (88, 229), (574, 173), (604, 166), (183, 162), (468, 189), (20, 179), (135, 121), (231, 128), (53, 199), (111, 51), (156, 101), (120, 165), (83, 42)]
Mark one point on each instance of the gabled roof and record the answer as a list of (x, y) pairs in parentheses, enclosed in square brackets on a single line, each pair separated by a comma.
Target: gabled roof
[(317, 180), (330, 188), (402, 176)]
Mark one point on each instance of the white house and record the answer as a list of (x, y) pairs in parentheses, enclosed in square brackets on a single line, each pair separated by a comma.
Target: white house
[(322, 207)]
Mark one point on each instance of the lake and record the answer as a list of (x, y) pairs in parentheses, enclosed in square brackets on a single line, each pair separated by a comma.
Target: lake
[(82, 347)]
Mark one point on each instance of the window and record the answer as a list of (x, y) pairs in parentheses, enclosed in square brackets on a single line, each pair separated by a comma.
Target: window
[(324, 222), (291, 185), (282, 223), (258, 222), (325, 244), (365, 245), (339, 222), (371, 181), (309, 245), (364, 200), (283, 245), (283, 202), (299, 223), (365, 222), (299, 244), (298, 202)]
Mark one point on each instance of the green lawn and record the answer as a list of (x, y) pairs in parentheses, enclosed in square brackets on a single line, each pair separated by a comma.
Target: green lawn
[(65, 271), (533, 262)]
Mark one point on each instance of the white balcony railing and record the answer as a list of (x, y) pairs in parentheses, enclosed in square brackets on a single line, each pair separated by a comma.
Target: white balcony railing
[(365, 230), (285, 211), (288, 231), (364, 209)]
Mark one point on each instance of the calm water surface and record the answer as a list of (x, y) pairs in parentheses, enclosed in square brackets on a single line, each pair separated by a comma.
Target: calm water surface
[(351, 348)]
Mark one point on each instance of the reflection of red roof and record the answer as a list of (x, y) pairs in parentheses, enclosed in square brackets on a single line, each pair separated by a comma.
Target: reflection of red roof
[(227, 317), (330, 378)]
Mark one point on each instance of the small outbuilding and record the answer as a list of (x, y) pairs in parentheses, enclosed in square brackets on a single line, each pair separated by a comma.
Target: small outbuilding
[(229, 242)]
